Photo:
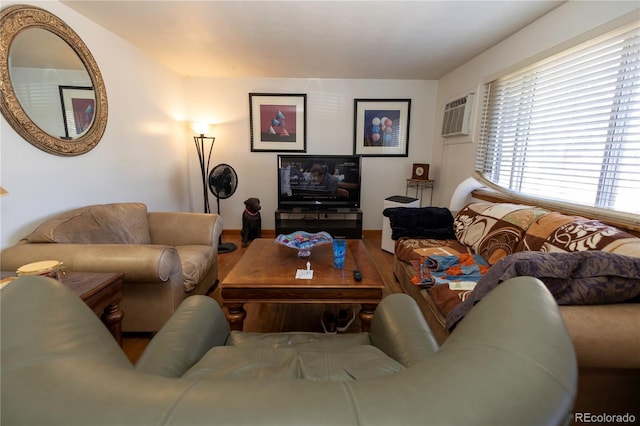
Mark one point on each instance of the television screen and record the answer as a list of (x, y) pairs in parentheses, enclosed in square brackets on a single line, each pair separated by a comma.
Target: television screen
[(318, 181)]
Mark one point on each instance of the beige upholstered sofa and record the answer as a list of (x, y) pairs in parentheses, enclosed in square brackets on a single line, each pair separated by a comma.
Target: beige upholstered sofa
[(165, 256), (493, 370)]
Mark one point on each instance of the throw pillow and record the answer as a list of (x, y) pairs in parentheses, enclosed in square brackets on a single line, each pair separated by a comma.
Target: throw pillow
[(494, 230), (118, 223), (425, 222)]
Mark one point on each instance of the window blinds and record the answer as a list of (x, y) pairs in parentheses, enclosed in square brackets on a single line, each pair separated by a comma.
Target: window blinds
[(568, 128)]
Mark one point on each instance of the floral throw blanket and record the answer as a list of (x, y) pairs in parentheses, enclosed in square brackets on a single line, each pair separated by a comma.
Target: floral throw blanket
[(574, 278)]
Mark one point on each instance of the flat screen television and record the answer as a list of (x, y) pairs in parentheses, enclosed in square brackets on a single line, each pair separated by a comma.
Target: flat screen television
[(318, 181)]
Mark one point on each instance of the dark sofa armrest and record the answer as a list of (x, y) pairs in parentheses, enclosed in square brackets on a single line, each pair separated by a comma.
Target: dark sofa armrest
[(400, 330), (195, 327)]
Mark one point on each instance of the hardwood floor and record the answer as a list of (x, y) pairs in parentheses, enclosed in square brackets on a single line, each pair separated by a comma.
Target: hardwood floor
[(273, 317)]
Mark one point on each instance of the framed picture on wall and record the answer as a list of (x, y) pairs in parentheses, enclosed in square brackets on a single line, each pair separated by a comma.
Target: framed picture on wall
[(278, 122), (78, 109), (381, 127)]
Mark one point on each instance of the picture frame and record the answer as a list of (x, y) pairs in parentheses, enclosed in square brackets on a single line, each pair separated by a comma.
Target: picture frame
[(381, 127), (278, 122), (78, 110)]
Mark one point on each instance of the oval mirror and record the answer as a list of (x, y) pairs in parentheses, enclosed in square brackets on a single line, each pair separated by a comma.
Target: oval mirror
[(53, 94)]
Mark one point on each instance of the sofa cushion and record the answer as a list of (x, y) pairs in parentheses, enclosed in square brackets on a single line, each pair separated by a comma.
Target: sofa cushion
[(304, 362), (196, 261), (295, 355), (447, 299), (556, 232), (408, 249), (494, 230), (297, 339), (119, 223)]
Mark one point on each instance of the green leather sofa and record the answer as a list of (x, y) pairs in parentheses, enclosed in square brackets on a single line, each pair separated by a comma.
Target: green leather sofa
[(510, 361)]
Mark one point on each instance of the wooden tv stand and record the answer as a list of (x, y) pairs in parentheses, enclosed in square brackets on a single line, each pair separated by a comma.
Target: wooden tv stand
[(340, 223)]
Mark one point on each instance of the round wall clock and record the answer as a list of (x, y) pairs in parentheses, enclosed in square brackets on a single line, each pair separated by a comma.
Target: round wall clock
[(420, 171)]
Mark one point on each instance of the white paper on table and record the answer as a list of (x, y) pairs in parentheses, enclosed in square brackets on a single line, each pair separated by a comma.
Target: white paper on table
[(304, 274)]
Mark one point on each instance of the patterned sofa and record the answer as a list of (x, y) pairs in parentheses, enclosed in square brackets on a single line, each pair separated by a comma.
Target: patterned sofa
[(592, 269)]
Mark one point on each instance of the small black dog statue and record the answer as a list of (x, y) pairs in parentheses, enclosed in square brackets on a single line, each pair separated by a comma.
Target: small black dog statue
[(251, 221)]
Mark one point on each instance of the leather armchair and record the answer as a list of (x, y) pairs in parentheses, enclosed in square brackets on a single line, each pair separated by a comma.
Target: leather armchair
[(165, 256), (510, 361)]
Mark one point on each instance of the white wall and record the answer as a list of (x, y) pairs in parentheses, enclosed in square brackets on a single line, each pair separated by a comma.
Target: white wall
[(564, 26), (142, 156), (329, 131)]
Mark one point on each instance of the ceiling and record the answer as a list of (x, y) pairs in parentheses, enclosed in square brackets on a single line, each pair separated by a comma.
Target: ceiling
[(356, 39)]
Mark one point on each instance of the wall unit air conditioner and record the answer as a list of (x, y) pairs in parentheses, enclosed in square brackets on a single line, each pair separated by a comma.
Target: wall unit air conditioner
[(457, 117)]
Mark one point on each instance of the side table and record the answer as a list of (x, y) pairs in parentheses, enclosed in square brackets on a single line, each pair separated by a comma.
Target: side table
[(101, 291), (420, 185)]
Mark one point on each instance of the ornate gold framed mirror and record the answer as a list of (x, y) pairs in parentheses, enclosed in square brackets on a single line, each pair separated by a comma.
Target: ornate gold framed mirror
[(52, 90)]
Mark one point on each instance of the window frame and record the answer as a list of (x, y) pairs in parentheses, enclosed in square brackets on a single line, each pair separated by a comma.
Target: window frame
[(630, 220)]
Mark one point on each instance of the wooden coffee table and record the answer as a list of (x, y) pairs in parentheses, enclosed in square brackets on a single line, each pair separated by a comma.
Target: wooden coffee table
[(266, 274), (101, 291)]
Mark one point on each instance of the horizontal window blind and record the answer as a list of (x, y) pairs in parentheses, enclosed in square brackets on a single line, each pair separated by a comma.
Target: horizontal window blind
[(568, 128)]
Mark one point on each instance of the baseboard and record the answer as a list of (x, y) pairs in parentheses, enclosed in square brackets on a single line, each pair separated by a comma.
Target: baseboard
[(235, 233), (271, 233)]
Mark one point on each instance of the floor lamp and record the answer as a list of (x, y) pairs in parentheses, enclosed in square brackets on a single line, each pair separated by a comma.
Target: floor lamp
[(201, 143)]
